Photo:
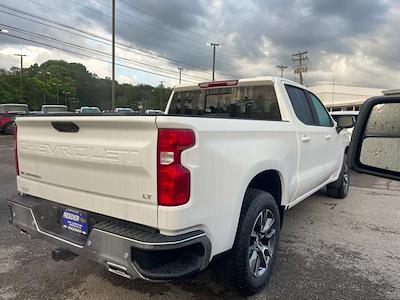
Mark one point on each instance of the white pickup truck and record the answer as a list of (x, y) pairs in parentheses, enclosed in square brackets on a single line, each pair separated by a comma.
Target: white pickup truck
[(159, 196)]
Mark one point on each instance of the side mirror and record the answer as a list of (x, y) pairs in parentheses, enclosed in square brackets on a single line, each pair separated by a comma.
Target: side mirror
[(375, 144), (345, 122)]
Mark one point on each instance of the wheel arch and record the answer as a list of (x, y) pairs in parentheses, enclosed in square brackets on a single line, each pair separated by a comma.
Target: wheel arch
[(270, 181)]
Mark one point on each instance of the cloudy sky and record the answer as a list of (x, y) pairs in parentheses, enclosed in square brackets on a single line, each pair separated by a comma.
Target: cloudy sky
[(355, 42)]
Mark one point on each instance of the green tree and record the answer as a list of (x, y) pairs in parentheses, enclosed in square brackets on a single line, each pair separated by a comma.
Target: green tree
[(76, 87)]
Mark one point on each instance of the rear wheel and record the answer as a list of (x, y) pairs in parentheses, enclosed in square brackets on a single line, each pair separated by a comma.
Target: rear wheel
[(340, 188), (256, 242)]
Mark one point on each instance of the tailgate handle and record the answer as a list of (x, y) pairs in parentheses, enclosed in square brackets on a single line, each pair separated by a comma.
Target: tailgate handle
[(65, 126)]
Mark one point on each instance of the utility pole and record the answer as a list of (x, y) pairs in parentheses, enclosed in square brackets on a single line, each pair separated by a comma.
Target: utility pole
[(301, 58), (180, 74), (22, 71), (161, 83), (214, 45), (282, 67), (113, 57)]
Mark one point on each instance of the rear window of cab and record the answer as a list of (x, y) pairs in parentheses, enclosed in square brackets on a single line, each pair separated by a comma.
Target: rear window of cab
[(242, 102)]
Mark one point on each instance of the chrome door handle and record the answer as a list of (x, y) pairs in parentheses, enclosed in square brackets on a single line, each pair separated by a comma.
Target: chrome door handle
[(305, 138), (328, 136)]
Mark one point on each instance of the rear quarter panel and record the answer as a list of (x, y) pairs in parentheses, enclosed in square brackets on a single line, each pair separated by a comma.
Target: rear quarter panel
[(227, 155)]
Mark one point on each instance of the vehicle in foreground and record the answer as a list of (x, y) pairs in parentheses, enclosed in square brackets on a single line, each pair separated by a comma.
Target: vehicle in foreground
[(54, 108), (8, 111), (89, 110), (160, 196), (123, 110)]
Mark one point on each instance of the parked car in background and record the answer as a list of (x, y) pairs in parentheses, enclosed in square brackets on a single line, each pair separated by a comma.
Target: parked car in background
[(154, 112), (54, 108), (160, 196), (339, 115), (123, 110), (8, 111), (89, 110)]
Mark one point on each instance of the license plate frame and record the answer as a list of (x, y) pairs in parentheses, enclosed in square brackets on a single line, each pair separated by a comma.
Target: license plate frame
[(74, 221)]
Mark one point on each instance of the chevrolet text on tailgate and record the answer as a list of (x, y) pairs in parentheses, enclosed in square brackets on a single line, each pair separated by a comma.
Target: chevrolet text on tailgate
[(159, 196)]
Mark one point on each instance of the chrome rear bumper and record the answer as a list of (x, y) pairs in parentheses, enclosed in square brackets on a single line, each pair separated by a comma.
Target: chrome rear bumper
[(126, 249)]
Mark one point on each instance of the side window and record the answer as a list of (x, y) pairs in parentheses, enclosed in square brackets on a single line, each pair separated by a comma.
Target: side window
[(300, 104), (322, 114)]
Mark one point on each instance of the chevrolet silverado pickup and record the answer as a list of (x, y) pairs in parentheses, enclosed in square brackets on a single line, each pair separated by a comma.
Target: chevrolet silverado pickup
[(160, 196)]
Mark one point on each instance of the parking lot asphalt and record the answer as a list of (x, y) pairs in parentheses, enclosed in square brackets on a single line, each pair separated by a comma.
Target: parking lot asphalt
[(330, 249)]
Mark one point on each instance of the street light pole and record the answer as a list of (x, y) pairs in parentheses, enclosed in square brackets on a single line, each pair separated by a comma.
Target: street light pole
[(113, 57), (180, 74), (65, 97), (57, 92), (214, 45), (57, 86), (22, 70), (45, 81)]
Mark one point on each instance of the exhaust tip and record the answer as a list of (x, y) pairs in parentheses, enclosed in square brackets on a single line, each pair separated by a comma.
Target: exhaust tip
[(117, 269)]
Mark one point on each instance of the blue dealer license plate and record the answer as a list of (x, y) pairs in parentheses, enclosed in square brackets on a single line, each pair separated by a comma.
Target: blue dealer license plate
[(75, 221)]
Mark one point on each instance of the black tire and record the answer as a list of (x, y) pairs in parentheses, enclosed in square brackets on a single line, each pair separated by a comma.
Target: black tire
[(340, 188), (251, 269), (8, 129)]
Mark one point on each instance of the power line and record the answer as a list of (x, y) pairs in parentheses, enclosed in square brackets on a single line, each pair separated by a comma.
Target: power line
[(92, 50), (62, 12), (97, 38), (155, 17), (136, 8), (92, 57), (142, 21), (141, 30)]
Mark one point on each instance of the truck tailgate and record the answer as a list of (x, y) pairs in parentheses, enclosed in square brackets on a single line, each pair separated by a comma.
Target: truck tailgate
[(108, 166)]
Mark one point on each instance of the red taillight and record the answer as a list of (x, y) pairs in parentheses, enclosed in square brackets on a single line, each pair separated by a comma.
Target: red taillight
[(173, 178), (16, 150)]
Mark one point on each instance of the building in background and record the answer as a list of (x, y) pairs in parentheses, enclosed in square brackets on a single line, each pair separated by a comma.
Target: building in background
[(394, 92), (337, 97)]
